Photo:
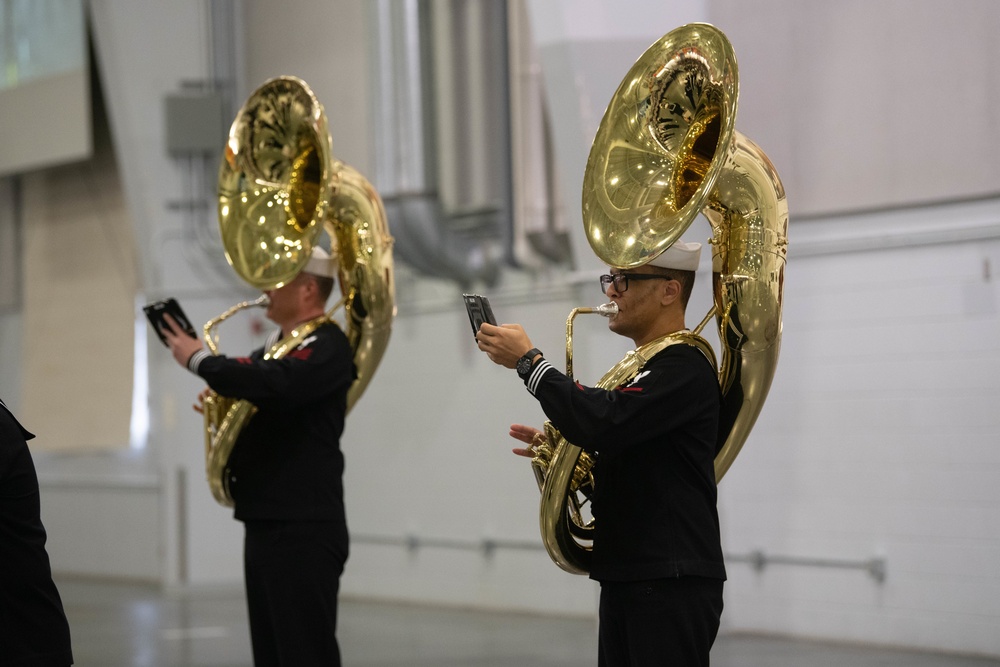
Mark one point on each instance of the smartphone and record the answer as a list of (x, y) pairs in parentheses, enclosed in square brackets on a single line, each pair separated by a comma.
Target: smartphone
[(155, 312), (479, 311)]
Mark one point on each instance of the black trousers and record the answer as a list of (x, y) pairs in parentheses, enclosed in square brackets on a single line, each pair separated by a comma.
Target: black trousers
[(292, 571), (661, 622)]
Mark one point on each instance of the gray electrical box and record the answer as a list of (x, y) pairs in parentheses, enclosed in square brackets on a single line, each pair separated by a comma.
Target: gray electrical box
[(194, 123)]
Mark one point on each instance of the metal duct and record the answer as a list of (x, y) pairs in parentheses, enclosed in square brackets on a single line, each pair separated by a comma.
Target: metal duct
[(540, 231), (443, 141)]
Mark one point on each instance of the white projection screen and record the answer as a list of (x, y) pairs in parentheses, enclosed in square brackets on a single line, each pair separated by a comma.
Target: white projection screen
[(44, 85)]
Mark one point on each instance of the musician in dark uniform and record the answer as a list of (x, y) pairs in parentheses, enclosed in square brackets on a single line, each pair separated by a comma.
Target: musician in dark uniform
[(656, 549), (286, 470), (33, 627)]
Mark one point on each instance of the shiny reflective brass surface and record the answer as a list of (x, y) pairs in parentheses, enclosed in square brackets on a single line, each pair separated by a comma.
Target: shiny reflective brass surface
[(356, 221), (749, 218), (274, 183), (666, 150), (661, 146), (279, 190)]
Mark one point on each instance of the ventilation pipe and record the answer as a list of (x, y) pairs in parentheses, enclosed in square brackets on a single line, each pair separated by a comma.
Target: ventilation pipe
[(442, 142)]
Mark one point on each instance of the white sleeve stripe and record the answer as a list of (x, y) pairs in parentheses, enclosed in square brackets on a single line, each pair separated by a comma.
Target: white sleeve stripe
[(196, 360), (537, 372)]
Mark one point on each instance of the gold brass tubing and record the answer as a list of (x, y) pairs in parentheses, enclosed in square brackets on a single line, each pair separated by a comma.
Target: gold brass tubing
[(607, 309), (569, 338), (212, 341), (704, 322)]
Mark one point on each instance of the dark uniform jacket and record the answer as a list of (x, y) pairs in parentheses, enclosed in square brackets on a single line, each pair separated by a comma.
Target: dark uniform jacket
[(287, 463), (654, 502)]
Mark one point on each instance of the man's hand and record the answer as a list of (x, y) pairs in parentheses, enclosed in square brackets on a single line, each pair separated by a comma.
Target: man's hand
[(503, 344), (199, 407), (182, 346), (528, 435)]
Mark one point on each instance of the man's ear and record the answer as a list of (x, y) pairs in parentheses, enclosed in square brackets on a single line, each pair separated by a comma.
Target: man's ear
[(310, 286), (671, 292)]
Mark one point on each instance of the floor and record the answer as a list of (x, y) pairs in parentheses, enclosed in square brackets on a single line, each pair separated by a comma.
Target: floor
[(129, 625)]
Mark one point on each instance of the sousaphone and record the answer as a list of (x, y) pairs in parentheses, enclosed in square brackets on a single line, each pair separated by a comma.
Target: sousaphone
[(666, 151), (280, 189)]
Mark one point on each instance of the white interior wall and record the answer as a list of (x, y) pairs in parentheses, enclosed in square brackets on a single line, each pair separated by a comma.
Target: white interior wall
[(876, 439), (869, 104), (328, 48)]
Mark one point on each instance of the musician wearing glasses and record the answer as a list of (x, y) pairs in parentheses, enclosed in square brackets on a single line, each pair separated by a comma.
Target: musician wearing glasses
[(656, 547), (286, 470)]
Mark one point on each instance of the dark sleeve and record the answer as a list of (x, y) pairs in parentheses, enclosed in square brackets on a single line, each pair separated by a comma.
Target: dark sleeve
[(657, 401), (303, 375), (33, 626)]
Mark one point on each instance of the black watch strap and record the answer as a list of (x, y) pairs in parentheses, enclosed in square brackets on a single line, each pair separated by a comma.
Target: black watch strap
[(525, 363)]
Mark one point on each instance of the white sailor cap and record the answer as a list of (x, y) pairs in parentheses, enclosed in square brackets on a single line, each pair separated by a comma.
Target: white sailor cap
[(321, 263), (680, 256)]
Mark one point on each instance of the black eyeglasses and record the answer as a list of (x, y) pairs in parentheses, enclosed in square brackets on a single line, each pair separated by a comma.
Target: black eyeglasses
[(621, 280)]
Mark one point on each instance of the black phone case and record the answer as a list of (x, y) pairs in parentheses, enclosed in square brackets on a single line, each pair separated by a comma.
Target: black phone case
[(155, 312), (479, 311)]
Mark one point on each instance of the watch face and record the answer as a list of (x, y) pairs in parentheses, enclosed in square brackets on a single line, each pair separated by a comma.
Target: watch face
[(524, 363)]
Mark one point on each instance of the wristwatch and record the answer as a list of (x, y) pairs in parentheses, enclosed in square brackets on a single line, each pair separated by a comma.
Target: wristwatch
[(524, 364)]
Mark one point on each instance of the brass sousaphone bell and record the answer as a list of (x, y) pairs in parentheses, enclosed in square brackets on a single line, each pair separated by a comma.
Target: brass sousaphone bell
[(665, 152)]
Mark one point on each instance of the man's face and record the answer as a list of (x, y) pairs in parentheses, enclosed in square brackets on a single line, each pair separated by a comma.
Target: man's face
[(286, 301), (637, 306)]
